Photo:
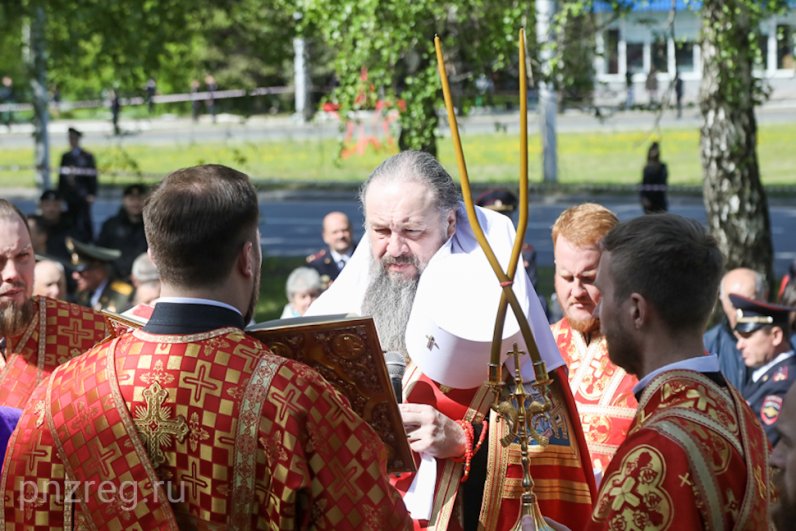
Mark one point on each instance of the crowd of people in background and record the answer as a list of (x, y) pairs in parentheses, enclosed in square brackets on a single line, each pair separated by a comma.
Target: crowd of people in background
[(76, 264)]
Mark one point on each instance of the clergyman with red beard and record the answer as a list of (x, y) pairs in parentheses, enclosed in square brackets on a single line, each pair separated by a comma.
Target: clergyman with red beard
[(603, 392)]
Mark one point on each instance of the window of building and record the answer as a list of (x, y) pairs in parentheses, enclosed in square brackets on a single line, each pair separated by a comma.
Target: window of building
[(612, 51), (785, 47), (635, 57), (684, 56), (761, 57), (659, 54)]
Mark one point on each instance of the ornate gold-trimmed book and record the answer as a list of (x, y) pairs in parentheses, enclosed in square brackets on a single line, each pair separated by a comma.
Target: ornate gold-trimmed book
[(346, 351)]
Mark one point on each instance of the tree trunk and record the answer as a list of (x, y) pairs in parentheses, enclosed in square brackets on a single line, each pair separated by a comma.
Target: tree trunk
[(734, 197), (548, 96), (302, 80), (37, 66)]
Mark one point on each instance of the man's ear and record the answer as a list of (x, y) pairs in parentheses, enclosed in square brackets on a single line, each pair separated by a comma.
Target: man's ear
[(451, 219), (777, 336), (639, 310), (246, 260)]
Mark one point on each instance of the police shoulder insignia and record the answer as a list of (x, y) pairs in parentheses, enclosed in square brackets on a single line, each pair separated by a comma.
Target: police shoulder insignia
[(122, 288), (769, 412), (781, 375), (316, 256)]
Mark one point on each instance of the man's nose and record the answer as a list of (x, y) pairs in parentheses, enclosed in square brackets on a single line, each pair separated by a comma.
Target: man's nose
[(397, 245), (739, 343), (10, 271), (578, 289)]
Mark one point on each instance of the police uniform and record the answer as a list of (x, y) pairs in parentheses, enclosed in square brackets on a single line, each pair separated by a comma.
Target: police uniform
[(499, 200), (324, 263), (125, 234), (58, 231), (77, 180), (116, 295), (765, 391)]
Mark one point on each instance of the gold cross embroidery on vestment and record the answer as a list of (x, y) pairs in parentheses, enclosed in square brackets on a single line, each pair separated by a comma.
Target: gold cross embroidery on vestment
[(155, 425)]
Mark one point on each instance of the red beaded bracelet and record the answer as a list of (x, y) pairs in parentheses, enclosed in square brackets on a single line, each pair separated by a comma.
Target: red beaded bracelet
[(469, 435), (484, 427), (469, 450)]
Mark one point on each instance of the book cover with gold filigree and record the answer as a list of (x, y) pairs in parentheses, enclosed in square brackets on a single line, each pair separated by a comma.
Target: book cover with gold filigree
[(346, 351)]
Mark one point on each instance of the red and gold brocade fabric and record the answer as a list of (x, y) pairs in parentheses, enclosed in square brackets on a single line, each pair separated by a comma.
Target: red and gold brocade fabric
[(206, 431), (58, 332), (564, 491), (602, 391), (695, 458)]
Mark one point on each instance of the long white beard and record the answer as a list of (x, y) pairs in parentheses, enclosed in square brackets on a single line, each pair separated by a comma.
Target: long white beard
[(388, 299)]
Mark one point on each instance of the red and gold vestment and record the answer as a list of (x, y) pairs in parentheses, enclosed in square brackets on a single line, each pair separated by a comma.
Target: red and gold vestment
[(564, 491), (209, 430), (58, 332), (695, 458), (602, 391)]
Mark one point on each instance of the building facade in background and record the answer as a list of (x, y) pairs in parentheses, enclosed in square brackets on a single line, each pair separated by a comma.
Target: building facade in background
[(643, 41)]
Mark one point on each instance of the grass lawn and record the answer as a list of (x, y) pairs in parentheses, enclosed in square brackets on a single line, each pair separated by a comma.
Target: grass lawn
[(272, 286), (584, 158)]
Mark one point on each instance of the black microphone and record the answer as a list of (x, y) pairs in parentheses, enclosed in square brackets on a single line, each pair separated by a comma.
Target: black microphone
[(396, 365)]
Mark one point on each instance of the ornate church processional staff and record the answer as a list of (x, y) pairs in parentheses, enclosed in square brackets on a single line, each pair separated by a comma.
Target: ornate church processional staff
[(515, 409)]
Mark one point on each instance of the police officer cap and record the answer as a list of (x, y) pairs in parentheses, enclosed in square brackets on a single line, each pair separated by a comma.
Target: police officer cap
[(498, 199), (753, 315), (49, 195), (86, 254), (73, 131)]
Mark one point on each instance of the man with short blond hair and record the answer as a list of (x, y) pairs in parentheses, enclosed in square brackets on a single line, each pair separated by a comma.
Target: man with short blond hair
[(603, 392)]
